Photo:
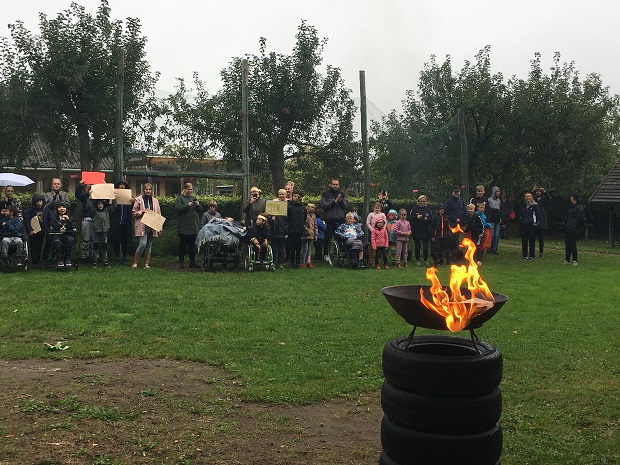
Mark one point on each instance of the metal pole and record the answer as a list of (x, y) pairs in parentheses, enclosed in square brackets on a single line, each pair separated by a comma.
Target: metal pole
[(245, 159), (120, 89), (365, 142)]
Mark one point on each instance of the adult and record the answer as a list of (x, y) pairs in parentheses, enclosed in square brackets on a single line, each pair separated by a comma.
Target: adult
[(83, 195), (120, 227), (10, 199), (573, 223), (507, 214), (480, 198), (189, 212), (386, 203), (542, 198), (334, 204), (495, 217), (455, 211), (56, 195), (210, 213), (255, 206), (144, 202), (527, 213), (421, 219)]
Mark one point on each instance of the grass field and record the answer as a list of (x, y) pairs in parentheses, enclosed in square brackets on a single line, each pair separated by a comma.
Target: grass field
[(295, 337)]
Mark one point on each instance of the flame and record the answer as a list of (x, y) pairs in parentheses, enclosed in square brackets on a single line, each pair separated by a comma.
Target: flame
[(456, 308)]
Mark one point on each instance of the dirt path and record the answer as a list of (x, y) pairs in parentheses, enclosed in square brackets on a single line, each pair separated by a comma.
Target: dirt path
[(169, 412)]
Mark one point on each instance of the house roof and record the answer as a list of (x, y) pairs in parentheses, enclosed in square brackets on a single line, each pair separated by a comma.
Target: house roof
[(609, 190)]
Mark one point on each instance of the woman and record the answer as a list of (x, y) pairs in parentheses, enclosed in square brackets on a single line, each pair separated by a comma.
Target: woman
[(254, 207), (188, 224), (529, 216), (144, 202), (573, 224), (120, 227), (421, 218)]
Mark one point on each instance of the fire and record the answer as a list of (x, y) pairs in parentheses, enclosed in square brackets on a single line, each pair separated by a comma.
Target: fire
[(456, 308)]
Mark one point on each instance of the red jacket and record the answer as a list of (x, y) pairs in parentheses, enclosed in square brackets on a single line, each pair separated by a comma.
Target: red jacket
[(379, 238)]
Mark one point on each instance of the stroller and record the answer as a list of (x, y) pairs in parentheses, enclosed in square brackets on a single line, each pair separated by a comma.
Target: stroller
[(221, 242)]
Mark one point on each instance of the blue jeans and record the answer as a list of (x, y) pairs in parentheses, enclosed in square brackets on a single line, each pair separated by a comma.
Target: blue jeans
[(495, 229)]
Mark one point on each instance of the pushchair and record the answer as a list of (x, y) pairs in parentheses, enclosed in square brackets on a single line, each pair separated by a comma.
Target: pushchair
[(221, 242)]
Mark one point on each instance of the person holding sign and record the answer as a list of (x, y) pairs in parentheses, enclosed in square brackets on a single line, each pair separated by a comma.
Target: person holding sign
[(120, 224), (145, 202), (83, 195)]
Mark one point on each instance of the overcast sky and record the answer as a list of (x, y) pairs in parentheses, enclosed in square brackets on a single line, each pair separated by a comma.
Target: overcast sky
[(389, 39)]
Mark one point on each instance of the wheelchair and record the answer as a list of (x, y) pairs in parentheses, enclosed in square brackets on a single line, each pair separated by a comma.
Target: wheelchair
[(253, 263), (11, 262), (340, 255)]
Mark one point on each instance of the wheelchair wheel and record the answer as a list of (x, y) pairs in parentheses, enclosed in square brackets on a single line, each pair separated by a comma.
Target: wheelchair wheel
[(334, 253)]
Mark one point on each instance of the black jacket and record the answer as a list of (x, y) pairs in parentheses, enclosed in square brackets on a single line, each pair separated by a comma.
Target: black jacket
[(575, 218), (296, 218)]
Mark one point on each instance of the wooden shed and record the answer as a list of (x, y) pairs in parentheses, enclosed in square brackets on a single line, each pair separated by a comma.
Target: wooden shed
[(609, 193)]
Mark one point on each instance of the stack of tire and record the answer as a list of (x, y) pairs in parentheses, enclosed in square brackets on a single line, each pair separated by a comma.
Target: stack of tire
[(441, 402)]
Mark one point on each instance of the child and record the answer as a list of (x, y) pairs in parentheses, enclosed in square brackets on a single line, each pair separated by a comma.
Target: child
[(379, 242), (296, 221), (391, 229), (61, 230), (352, 234), (101, 227), (475, 227), (12, 233), (277, 232), (403, 231), (36, 239), (375, 215), (320, 237), (439, 239), (259, 235), (310, 234)]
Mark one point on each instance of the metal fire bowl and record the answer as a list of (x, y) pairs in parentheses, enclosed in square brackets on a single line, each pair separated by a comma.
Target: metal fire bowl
[(405, 300)]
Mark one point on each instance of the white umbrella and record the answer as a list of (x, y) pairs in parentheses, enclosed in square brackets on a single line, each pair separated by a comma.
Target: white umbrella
[(15, 180)]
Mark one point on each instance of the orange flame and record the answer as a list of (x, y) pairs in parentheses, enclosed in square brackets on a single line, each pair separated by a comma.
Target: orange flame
[(456, 308)]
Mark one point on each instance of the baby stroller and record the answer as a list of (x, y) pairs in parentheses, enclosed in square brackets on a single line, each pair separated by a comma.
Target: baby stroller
[(221, 242), (253, 263), (14, 261)]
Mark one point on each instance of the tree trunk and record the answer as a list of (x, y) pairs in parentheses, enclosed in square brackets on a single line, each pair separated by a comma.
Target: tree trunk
[(84, 142), (57, 159), (276, 166)]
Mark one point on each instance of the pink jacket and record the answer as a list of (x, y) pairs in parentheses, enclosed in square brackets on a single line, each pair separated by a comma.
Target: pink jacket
[(372, 218), (402, 226), (379, 238), (138, 211)]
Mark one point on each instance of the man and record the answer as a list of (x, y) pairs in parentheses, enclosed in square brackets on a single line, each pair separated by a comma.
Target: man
[(542, 198), (88, 234), (334, 205), (189, 210), (9, 199), (455, 211)]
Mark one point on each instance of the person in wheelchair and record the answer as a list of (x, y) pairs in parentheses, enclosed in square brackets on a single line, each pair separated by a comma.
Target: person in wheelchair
[(350, 233), (259, 238), (61, 234), (12, 235)]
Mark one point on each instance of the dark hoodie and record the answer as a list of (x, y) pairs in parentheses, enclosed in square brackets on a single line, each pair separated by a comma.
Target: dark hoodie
[(494, 203), (33, 211)]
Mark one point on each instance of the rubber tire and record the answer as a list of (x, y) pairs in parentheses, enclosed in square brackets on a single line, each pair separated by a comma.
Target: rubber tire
[(442, 366), (385, 459), (409, 447), (441, 415)]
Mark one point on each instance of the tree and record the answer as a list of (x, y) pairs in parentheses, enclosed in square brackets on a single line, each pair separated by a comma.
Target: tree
[(69, 75), (295, 112)]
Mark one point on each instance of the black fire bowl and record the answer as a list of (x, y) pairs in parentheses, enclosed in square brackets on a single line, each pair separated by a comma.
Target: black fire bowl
[(405, 300)]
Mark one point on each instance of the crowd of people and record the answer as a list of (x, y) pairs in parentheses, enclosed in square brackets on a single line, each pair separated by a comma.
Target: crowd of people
[(435, 232)]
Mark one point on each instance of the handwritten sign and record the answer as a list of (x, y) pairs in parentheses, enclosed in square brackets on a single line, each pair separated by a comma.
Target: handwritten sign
[(276, 208)]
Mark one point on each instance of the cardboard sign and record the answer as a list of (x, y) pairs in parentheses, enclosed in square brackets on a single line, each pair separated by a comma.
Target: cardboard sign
[(276, 208), (35, 225), (123, 196), (93, 177), (102, 191), (153, 220)]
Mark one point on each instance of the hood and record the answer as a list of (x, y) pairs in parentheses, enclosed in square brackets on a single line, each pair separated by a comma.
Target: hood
[(494, 191), (37, 197)]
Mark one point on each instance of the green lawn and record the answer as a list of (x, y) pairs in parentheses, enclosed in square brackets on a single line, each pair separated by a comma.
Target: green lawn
[(308, 335)]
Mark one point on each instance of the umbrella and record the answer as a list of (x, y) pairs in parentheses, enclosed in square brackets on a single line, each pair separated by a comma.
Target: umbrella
[(15, 180)]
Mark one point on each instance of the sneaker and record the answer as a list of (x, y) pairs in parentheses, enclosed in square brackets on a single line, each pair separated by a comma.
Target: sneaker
[(309, 265), (398, 266), (60, 264), (134, 265), (95, 265), (146, 267), (540, 255), (565, 262), (525, 258), (479, 263), (417, 262), (124, 262), (68, 263), (377, 267), (302, 266), (405, 265), (328, 260), (106, 265), (386, 267), (575, 263)]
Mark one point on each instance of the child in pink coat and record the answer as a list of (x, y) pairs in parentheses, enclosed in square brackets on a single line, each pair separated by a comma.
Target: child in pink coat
[(379, 243), (403, 231)]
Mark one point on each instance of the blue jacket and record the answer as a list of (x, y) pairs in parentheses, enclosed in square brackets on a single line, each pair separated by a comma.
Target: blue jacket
[(12, 227)]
